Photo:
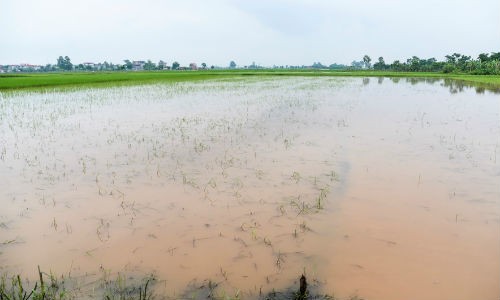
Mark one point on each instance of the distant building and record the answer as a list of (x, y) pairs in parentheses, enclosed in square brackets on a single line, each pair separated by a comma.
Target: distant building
[(193, 66), (13, 68), (29, 67), (138, 65), (162, 65), (20, 68)]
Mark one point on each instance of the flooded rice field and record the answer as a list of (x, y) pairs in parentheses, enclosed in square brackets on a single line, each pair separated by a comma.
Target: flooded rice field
[(382, 188)]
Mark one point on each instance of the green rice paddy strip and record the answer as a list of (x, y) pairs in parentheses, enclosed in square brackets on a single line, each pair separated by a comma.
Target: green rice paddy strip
[(43, 81)]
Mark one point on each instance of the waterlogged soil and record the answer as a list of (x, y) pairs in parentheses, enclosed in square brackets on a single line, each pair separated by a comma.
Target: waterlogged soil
[(385, 189)]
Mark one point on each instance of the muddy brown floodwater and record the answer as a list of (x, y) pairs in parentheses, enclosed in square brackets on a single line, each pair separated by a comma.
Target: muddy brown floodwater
[(383, 188)]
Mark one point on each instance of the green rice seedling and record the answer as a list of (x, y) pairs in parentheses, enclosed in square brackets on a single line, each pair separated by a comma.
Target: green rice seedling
[(200, 147), (223, 295), (103, 230), (18, 291), (334, 176), (280, 259), (296, 176), (300, 206), (120, 289), (282, 210), (254, 234), (189, 181), (69, 229), (322, 197), (54, 224), (303, 227), (287, 143), (259, 174), (223, 273), (212, 183)]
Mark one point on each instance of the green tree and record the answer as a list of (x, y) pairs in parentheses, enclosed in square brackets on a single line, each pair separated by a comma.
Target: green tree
[(204, 65), (49, 68), (380, 65), (450, 59), (68, 64), (495, 56), (232, 64), (128, 64), (432, 65), (175, 65), (149, 65), (448, 67), (397, 66), (483, 57), (335, 66), (318, 65), (414, 63), (463, 59), (60, 62), (64, 63), (161, 65), (357, 64), (366, 61)]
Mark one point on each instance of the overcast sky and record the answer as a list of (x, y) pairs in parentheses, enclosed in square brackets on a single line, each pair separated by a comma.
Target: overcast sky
[(281, 32)]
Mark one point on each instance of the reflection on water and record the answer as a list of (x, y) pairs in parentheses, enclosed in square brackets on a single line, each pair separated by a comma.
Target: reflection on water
[(382, 189), (454, 86), (459, 86)]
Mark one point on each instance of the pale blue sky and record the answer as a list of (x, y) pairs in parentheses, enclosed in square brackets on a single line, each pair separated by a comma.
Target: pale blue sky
[(281, 32)]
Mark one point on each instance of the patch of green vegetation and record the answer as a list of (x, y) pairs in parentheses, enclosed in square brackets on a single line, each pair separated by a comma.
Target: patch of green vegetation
[(95, 79), (108, 287), (45, 288), (486, 79), (45, 81), (51, 287)]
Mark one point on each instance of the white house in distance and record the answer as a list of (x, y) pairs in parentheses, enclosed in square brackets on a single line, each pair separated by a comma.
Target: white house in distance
[(138, 65), (20, 68), (89, 64), (30, 67)]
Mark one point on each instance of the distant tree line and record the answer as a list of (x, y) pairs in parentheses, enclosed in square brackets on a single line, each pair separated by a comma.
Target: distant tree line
[(64, 64), (485, 64)]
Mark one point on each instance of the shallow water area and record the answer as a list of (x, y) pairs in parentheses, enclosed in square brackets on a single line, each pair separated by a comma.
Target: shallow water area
[(382, 188)]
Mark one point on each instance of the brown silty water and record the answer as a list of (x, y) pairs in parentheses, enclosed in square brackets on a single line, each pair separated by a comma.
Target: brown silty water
[(386, 189)]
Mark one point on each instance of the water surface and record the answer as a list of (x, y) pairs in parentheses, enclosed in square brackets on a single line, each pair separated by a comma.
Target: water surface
[(382, 188)]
